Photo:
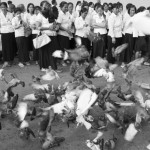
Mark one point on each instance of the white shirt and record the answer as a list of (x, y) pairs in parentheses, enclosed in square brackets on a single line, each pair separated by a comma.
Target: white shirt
[(20, 31), (115, 26), (72, 20), (6, 23), (98, 19), (64, 20), (27, 17), (126, 17), (46, 24), (81, 30), (108, 13), (32, 21)]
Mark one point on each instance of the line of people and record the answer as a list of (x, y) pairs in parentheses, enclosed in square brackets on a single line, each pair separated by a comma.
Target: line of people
[(19, 27)]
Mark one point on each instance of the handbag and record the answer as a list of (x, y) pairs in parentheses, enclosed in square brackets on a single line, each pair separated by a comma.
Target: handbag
[(27, 31), (41, 41)]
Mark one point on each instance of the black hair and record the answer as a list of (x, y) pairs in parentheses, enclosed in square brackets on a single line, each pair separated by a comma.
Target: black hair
[(4, 3), (128, 5), (18, 9), (141, 9), (70, 3), (62, 4), (105, 4), (78, 2), (115, 5), (37, 8), (53, 2), (148, 8), (9, 2), (100, 6), (132, 6), (42, 3), (83, 10), (96, 5), (91, 3), (29, 6)]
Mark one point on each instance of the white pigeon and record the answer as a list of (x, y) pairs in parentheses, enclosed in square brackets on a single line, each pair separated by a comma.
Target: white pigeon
[(58, 54), (1, 74), (131, 132), (92, 146), (50, 75), (22, 110), (30, 97), (36, 86)]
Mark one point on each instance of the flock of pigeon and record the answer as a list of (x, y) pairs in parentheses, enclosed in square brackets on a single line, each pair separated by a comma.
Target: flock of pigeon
[(74, 100)]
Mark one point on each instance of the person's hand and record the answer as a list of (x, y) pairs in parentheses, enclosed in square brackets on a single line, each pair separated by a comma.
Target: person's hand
[(69, 32), (113, 40)]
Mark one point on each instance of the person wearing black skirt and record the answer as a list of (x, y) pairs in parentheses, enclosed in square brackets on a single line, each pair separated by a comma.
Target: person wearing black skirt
[(7, 35), (33, 23), (45, 53), (99, 25), (23, 53), (114, 33), (129, 36), (82, 28), (64, 28)]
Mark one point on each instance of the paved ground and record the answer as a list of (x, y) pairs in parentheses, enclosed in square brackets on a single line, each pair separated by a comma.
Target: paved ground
[(75, 137)]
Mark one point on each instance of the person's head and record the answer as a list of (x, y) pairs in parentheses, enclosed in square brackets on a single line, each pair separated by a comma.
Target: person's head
[(54, 2), (11, 8), (9, 2), (132, 10), (70, 7), (3, 6), (18, 11), (84, 12), (91, 4), (85, 5), (96, 5), (148, 8), (100, 10), (44, 6), (37, 10), (120, 6), (115, 8), (106, 7), (128, 6), (30, 8), (22, 7), (63, 6), (110, 5), (141, 9)]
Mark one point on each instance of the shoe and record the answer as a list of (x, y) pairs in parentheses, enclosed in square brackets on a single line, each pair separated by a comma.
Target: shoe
[(6, 64), (21, 65), (43, 70), (27, 63), (146, 64), (58, 71)]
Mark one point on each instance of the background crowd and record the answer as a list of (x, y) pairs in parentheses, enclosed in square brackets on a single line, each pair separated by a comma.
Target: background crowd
[(20, 25)]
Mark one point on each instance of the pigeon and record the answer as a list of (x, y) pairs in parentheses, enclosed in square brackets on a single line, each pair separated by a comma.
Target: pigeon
[(50, 75), (110, 144), (77, 54)]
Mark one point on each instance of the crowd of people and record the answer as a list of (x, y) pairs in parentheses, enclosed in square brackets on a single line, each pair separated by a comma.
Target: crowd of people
[(19, 26)]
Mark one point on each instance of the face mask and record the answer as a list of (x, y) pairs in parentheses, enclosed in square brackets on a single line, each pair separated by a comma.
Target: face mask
[(78, 8)]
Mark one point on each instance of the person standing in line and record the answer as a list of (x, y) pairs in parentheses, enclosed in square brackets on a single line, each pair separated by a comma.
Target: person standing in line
[(64, 32), (99, 24), (114, 33), (23, 53), (7, 35), (129, 36)]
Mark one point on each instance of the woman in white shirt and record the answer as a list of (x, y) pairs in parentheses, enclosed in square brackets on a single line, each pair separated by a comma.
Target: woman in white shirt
[(129, 36), (7, 35), (99, 24), (72, 16), (64, 33), (106, 10), (114, 33), (45, 53), (82, 28), (33, 24), (23, 53), (140, 44)]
